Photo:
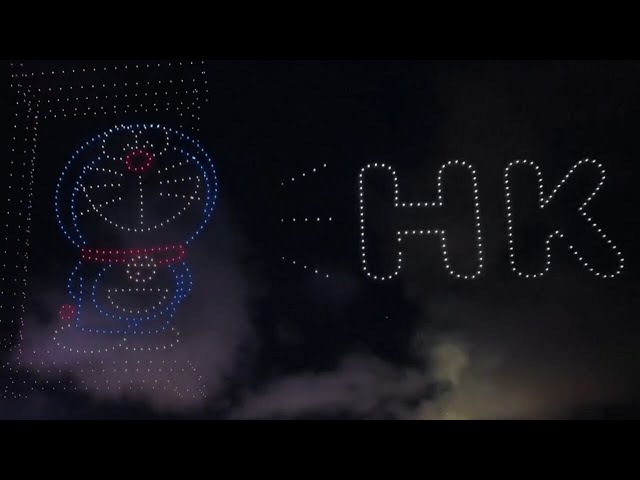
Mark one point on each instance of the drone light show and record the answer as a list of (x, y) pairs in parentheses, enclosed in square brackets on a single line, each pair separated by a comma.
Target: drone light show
[(319, 240)]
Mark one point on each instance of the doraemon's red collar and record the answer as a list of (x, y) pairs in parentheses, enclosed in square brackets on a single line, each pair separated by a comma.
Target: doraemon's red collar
[(161, 255)]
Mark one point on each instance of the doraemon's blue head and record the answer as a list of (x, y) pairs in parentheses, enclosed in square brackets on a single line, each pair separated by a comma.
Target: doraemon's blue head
[(140, 185)]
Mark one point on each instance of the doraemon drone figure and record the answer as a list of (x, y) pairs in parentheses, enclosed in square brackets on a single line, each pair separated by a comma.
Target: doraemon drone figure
[(131, 200)]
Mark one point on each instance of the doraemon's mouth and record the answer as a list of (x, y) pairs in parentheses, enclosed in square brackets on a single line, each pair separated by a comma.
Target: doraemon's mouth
[(137, 291), (137, 301), (126, 306), (121, 296)]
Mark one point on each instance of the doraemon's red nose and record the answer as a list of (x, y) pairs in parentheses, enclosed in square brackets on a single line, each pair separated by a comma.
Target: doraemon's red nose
[(138, 161)]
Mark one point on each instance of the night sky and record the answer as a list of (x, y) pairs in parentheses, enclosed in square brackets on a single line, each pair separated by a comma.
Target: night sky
[(273, 339)]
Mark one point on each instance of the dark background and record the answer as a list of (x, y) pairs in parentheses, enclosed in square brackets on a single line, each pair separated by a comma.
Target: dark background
[(267, 121)]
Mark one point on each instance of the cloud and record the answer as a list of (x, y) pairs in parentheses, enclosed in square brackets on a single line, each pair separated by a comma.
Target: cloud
[(362, 385), (215, 332), (520, 390), (532, 359), (501, 351)]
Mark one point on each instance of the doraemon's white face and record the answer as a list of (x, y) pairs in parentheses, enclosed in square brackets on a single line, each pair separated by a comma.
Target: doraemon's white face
[(138, 182)]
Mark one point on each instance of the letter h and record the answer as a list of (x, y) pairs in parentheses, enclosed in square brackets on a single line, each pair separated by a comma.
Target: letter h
[(399, 234)]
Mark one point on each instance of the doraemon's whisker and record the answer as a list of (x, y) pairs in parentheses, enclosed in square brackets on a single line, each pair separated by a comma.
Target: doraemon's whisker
[(104, 185), (99, 207), (180, 180), (105, 170), (178, 195), (172, 167)]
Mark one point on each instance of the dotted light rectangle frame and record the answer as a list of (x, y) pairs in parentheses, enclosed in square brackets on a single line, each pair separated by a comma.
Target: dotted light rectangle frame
[(93, 90)]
